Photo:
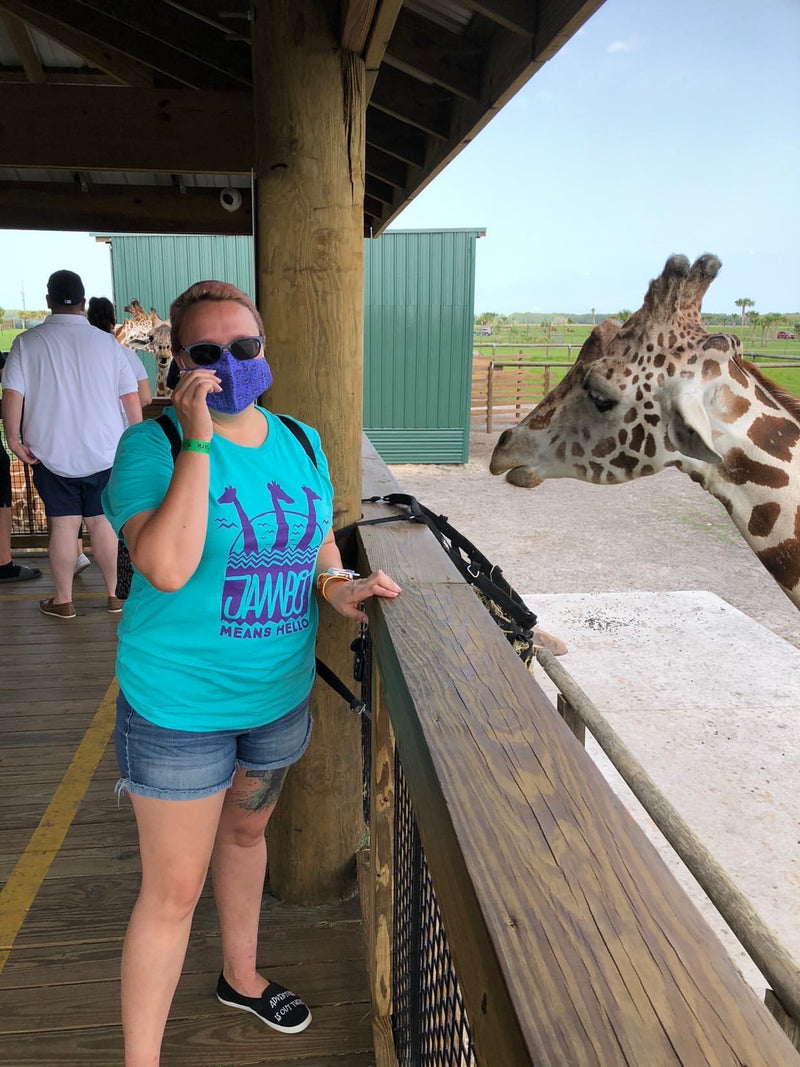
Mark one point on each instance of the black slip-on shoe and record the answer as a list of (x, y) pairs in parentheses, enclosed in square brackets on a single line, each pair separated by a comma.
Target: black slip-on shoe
[(278, 1007)]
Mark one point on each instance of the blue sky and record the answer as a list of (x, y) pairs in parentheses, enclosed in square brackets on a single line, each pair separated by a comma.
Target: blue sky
[(659, 128)]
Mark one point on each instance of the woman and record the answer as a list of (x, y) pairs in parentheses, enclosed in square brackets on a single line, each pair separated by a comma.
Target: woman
[(100, 313), (216, 652)]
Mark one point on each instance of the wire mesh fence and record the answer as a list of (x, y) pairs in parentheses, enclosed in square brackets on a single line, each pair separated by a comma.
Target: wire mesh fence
[(429, 1022)]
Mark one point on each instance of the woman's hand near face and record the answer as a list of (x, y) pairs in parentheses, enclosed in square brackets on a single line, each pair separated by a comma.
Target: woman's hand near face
[(346, 597), (189, 401)]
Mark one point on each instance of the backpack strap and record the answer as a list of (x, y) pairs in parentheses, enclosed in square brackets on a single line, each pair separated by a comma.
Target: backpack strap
[(174, 438), (300, 434)]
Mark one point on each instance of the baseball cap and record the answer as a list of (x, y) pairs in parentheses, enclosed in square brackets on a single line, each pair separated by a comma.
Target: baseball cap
[(65, 287)]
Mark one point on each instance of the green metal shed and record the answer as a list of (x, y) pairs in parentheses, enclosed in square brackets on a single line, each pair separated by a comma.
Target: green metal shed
[(419, 290), (418, 318)]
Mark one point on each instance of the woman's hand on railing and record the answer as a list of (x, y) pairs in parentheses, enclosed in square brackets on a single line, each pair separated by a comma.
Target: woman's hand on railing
[(347, 597)]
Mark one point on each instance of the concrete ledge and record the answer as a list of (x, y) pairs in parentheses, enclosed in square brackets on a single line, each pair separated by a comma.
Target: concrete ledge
[(709, 701)]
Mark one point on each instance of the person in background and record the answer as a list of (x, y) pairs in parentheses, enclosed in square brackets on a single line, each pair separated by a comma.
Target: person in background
[(229, 543), (100, 313), (71, 379), (9, 570)]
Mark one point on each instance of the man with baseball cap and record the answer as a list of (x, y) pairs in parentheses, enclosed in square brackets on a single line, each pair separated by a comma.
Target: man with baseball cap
[(69, 378)]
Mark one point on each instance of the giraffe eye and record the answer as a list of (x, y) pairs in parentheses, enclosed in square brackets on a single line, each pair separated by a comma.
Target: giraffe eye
[(601, 402)]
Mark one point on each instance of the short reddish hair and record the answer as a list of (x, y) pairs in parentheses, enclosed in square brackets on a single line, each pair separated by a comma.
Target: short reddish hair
[(200, 292)]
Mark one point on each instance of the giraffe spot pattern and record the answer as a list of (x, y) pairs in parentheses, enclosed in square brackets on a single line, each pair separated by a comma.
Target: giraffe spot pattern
[(736, 372), (659, 360), (762, 519), (625, 462), (622, 436), (604, 448), (580, 470), (561, 451), (775, 436), (597, 471), (540, 419), (738, 468), (783, 560), (652, 420), (578, 449), (766, 399), (630, 415), (731, 405), (717, 341), (645, 470), (637, 438), (711, 369)]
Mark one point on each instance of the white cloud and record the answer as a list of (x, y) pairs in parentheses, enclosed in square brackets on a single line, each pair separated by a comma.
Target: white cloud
[(630, 45)]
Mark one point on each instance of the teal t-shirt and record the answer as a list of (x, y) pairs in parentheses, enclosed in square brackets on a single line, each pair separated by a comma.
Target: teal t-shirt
[(234, 648)]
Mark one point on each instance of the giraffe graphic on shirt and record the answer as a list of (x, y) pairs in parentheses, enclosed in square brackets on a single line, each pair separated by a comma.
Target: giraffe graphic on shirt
[(270, 566)]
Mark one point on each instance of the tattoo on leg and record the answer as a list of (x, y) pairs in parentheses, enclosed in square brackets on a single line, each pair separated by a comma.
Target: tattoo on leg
[(266, 793)]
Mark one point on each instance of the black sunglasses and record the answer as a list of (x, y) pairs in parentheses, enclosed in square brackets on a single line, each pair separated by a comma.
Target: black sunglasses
[(207, 353)]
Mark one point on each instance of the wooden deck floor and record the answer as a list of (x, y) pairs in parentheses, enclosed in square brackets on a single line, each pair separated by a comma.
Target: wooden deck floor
[(65, 904)]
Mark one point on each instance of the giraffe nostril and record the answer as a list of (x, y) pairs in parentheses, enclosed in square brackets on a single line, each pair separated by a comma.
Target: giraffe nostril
[(503, 438)]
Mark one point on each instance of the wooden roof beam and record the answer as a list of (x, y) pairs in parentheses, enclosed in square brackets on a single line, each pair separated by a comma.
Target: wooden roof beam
[(21, 40), (119, 65), (420, 47), (395, 138), (519, 16), (381, 165), (233, 20), (186, 35), (83, 128), (119, 208), (416, 103), (382, 26), (86, 27)]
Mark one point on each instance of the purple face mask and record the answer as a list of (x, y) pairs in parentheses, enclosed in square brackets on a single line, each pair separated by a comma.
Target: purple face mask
[(242, 381)]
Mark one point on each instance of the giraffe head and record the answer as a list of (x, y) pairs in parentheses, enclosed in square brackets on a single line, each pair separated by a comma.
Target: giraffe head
[(641, 396), (161, 343), (135, 331)]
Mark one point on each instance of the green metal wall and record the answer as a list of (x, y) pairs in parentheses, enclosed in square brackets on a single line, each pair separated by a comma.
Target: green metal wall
[(156, 269), (418, 317)]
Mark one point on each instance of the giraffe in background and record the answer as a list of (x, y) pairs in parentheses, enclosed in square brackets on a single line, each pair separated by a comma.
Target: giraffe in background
[(661, 391), (137, 328)]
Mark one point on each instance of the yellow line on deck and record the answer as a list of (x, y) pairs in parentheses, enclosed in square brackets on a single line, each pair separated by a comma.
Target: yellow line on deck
[(31, 869)]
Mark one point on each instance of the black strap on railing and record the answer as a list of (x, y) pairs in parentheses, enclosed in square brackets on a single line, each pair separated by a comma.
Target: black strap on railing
[(502, 602)]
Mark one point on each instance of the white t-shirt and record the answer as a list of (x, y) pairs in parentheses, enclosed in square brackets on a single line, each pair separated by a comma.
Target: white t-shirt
[(140, 373), (71, 376)]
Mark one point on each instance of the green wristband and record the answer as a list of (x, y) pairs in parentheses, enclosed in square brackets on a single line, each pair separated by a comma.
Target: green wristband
[(189, 444)]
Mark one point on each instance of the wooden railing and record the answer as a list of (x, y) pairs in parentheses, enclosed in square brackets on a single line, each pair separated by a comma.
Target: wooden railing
[(571, 940)]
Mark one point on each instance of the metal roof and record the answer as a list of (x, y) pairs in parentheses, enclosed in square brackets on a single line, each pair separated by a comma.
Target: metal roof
[(76, 75)]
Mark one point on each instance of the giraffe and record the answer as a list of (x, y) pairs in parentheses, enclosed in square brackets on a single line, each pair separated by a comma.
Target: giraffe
[(661, 391), (161, 344), (137, 328)]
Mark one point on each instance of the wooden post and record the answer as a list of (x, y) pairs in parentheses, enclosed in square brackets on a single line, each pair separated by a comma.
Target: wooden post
[(489, 396), (309, 109)]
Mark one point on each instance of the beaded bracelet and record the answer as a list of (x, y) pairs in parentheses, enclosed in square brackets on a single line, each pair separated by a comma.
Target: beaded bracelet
[(190, 444)]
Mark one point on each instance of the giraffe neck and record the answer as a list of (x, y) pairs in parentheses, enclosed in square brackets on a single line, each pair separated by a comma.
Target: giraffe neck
[(758, 477)]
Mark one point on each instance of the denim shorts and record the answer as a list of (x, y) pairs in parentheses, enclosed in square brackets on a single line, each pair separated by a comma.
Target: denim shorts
[(181, 765)]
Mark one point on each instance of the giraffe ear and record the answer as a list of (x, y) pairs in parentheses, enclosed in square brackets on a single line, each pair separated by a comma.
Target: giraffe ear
[(690, 430)]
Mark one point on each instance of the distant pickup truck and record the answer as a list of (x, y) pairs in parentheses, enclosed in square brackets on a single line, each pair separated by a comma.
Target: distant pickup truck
[(483, 331)]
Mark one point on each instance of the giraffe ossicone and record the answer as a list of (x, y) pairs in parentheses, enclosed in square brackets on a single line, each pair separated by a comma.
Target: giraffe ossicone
[(662, 391)]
